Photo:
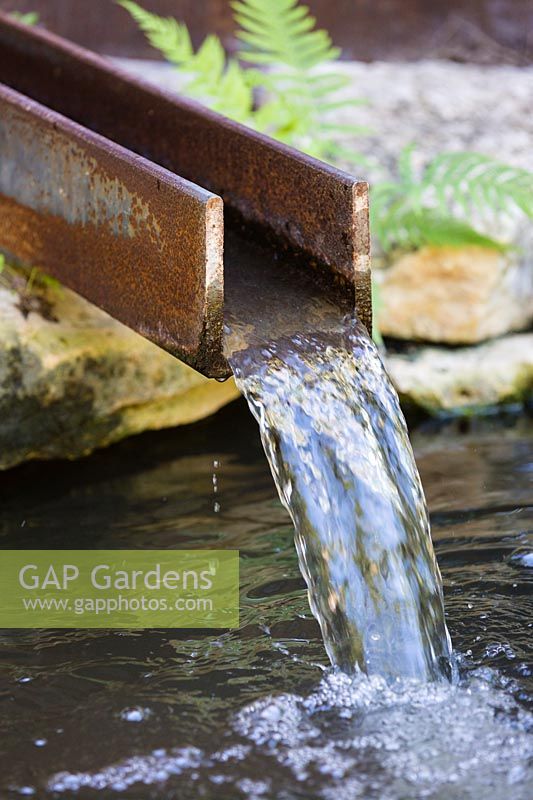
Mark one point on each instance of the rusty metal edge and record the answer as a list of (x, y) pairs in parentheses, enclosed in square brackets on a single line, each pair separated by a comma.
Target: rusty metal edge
[(305, 203), (164, 195), (362, 254)]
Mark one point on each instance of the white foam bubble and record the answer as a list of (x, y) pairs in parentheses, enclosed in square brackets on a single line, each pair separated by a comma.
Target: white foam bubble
[(354, 737)]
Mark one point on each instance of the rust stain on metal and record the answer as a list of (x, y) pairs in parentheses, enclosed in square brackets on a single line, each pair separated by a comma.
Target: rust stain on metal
[(308, 206), (131, 237)]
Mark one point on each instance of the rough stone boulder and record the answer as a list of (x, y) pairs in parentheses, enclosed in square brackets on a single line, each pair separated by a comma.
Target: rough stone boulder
[(72, 379), (465, 379), (455, 295)]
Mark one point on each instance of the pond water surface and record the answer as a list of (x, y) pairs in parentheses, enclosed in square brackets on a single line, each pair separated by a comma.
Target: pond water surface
[(256, 712)]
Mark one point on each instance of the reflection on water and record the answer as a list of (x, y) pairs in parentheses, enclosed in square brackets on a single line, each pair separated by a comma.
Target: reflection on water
[(208, 721)]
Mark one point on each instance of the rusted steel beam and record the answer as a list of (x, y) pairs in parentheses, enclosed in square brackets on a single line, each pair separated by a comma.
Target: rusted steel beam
[(133, 238), (309, 206)]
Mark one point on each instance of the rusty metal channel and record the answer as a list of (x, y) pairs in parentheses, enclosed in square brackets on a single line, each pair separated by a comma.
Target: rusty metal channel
[(308, 207), (131, 237)]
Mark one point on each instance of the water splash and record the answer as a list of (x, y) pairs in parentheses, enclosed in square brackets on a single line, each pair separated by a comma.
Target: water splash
[(351, 736), (361, 737), (338, 448)]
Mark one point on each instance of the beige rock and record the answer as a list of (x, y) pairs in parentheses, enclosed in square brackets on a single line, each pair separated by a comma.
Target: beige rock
[(72, 379), (455, 295), (437, 379)]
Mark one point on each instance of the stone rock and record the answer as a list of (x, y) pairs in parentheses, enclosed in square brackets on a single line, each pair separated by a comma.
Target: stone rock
[(465, 379), (72, 379), (455, 295)]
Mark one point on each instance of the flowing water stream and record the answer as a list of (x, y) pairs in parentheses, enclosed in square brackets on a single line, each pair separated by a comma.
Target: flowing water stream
[(338, 448), (339, 451)]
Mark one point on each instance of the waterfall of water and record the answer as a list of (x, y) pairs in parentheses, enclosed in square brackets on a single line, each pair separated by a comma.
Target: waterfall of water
[(340, 455)]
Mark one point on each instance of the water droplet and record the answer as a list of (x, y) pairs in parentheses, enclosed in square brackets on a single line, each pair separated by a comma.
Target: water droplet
[(135, 714)]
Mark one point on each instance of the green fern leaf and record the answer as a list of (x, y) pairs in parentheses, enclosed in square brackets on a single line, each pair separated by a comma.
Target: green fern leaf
[(424, 210), (474, 181), (29, 18), (236, 96), (405, 165), (428, 228), (406, 229), (207, 66), (213, 80), (281, 32), (277, 33), (167, 35)]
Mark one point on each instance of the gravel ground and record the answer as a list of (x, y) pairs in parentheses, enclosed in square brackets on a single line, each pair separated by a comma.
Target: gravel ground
[(439, 105)]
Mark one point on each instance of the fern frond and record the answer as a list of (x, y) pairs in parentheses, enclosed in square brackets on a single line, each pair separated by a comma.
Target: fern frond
[(211, 78), (405, 165), (166, 34), (206, 67), (423, 209), (281, 32), (28, 18), (475, 181), (414, 229), (236, 98)]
